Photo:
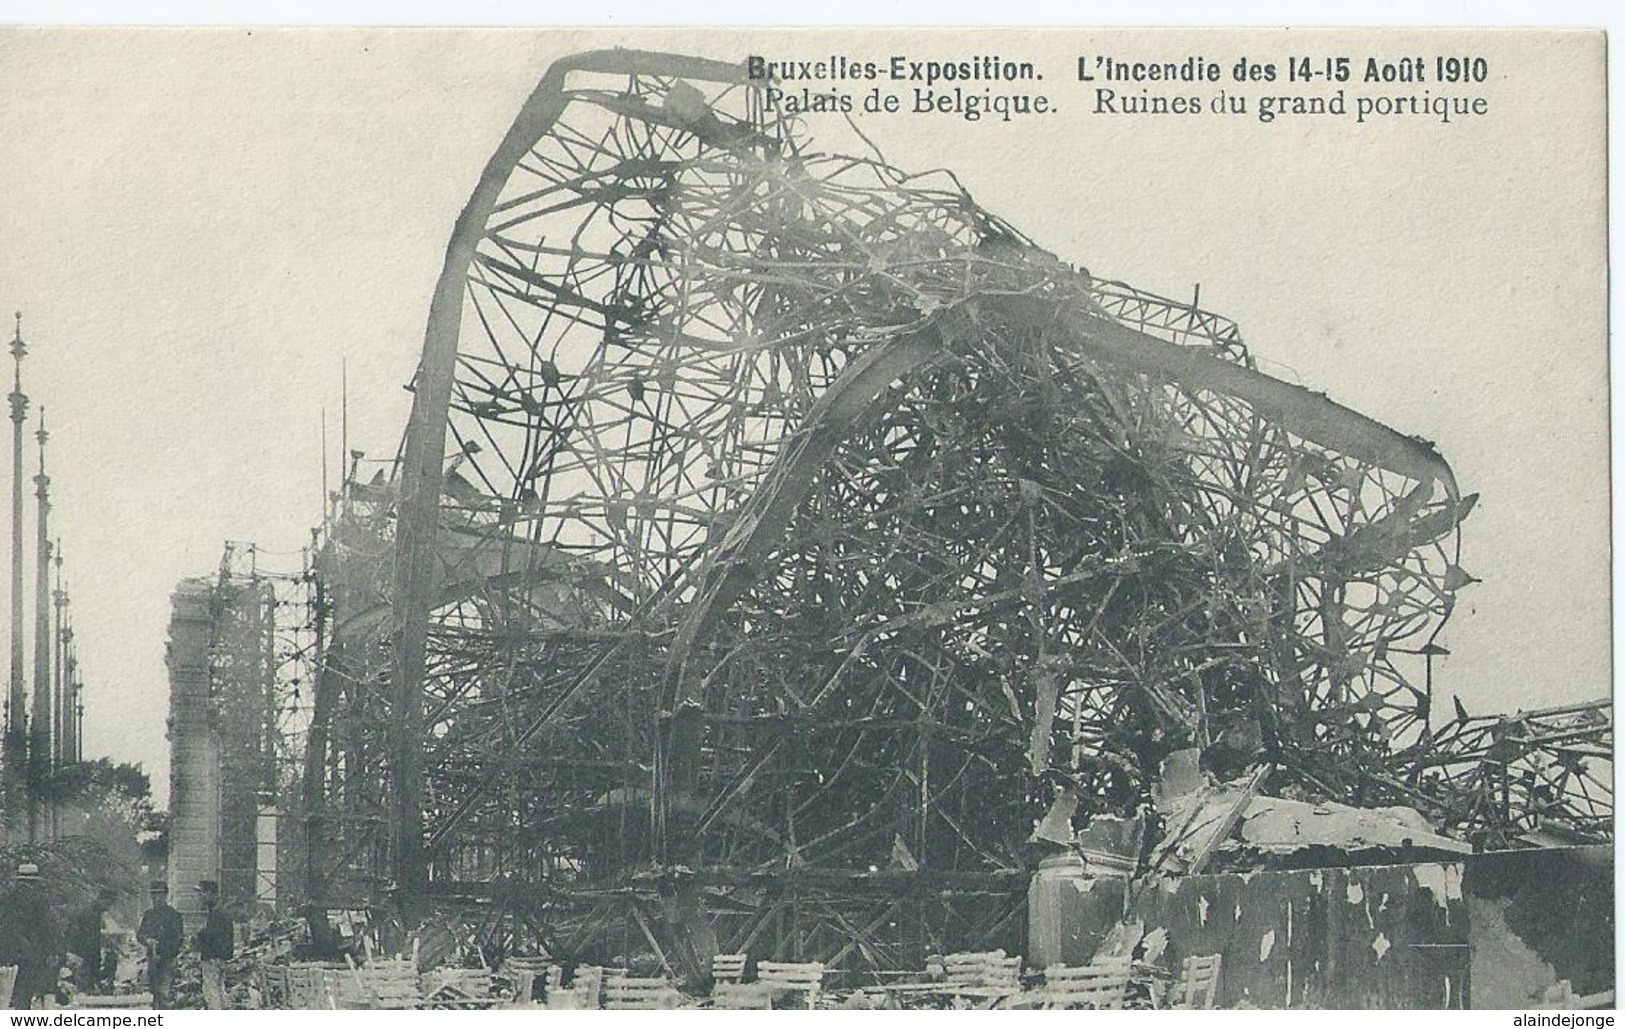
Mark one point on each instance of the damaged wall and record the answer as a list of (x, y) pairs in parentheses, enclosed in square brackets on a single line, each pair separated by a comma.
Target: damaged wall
[(1537, 916), (1391, 936), (1486, 931)]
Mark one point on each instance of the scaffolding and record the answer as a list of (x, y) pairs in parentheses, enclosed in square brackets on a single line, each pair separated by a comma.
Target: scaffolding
[(242, 645)]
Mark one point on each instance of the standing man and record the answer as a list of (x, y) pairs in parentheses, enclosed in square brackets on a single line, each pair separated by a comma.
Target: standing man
[(85, 940), (160, 933), (214, 945), (28, 936)]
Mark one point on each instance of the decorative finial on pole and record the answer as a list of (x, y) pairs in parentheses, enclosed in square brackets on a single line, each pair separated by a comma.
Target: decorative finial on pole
[(19, 350)]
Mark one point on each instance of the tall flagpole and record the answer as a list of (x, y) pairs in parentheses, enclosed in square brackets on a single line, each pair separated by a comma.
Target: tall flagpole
[(16, 742), (59, 718), (41, 743)]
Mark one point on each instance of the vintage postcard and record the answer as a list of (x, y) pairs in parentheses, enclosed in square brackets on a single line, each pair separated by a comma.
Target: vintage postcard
[(856, 519)]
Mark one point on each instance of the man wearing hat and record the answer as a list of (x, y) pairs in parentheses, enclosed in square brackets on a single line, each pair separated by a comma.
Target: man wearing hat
[(160, 932), (214, 945), (28, 936)]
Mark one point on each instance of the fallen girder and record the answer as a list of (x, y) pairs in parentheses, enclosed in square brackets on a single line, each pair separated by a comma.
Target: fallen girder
[(1532, 776)]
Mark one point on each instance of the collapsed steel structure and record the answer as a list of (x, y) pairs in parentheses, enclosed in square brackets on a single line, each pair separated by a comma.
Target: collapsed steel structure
[(808, 532)]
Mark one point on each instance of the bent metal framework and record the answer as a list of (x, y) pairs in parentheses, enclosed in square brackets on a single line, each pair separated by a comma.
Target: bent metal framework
[(785, 555)]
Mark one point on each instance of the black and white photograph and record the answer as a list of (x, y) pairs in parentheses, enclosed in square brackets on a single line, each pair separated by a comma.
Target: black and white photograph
[(783, 519)]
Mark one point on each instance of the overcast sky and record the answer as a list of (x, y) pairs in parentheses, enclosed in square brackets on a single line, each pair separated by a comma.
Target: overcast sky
[(200, 226)]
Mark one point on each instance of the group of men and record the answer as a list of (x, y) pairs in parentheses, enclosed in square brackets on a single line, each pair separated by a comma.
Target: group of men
[(160, 932), (31, 941)]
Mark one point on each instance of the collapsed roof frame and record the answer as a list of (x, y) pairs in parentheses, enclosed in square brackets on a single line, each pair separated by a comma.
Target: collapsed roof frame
[(711, 396)]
